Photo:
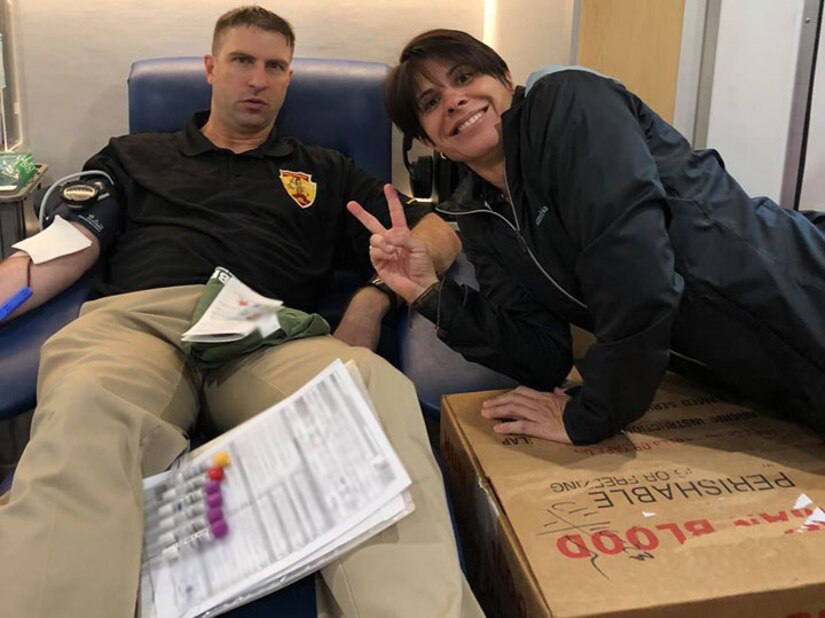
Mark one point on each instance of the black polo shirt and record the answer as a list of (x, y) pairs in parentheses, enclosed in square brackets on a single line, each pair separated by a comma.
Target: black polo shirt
[(275, 216)]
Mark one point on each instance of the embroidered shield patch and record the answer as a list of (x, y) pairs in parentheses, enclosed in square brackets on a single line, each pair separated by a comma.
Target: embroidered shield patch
[(299, 186)]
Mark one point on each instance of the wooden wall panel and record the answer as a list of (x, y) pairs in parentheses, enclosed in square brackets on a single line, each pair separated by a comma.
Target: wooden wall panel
[(636, 41)]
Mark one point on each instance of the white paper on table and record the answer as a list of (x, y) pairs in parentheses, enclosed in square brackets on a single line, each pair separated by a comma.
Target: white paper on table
[(59, 239), (236, 311), (309, 478)]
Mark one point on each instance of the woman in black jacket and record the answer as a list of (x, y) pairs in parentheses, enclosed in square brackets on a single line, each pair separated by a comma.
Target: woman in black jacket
[(585, 207)]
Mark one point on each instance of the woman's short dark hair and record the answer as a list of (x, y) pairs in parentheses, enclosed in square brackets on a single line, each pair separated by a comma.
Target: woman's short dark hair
[(450, 46), (254, 16)]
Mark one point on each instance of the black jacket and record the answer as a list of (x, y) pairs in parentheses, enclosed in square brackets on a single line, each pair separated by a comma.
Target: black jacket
[(618, 226)]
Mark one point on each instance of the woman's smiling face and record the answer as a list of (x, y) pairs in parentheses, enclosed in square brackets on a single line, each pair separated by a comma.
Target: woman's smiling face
[(460, 111)]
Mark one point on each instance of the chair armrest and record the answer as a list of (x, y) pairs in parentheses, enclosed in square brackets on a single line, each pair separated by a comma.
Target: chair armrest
[(20, 342), (434, 367)]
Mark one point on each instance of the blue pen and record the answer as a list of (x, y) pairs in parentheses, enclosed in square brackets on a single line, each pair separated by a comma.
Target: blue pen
[(20, 297)]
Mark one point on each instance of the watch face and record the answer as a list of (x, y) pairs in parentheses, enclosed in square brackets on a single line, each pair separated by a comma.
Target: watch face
[(79, 192)]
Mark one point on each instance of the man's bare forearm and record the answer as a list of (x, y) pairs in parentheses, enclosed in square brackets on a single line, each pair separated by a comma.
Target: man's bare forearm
[(361, 323), (442, 242), (46, 279)]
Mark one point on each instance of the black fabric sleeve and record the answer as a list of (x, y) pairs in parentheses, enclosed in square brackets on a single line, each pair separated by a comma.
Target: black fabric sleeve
[(596, 167), (500, 326), (106, 161)]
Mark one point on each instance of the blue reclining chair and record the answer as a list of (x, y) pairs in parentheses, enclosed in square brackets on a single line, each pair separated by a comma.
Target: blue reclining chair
[(332, 103), (162, 95)]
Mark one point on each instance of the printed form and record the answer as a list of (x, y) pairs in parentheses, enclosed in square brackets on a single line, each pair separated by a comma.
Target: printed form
[(307, 480), (235, 312)]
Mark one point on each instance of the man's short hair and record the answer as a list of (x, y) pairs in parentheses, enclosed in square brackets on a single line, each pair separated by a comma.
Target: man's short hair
[(254, 16), (450, 46)]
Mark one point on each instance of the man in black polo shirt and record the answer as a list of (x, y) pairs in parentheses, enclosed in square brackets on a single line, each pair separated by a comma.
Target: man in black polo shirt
[(115, 398), (191, 205)]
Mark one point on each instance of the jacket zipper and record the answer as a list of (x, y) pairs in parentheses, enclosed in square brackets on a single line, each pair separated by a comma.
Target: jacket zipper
[(526, 248)]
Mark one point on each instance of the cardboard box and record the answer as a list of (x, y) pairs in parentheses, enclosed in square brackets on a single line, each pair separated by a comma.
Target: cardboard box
[(702, 508)]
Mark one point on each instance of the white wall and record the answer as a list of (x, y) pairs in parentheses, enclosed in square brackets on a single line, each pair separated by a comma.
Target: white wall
[(813, 181), (690, 66), (530, 33), (753, 85), (74, 56)]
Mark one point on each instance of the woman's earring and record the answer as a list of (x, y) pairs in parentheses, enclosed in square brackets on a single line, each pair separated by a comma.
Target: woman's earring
[(441, 154)]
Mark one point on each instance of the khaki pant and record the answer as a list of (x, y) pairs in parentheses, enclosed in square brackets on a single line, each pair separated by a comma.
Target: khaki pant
[(115, 403)]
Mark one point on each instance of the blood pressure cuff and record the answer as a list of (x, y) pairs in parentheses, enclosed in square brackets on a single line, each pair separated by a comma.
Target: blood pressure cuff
[(92, 204)]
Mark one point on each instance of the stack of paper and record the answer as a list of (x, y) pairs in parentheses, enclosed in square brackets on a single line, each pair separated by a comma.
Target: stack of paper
[(299, 484)]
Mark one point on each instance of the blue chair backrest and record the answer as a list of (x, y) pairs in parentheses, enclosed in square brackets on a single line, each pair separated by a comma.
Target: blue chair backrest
[(333, 103), (337, 104)]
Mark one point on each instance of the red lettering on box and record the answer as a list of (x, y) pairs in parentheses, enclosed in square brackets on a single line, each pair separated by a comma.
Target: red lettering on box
[(608, 543), (699, 527), (573, 546), (634, 537), (675, 530)]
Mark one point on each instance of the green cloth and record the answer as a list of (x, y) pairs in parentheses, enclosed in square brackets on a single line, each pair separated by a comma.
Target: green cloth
[(295, 324)]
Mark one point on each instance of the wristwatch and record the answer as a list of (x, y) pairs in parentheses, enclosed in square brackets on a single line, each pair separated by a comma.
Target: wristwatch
[(379, 283)]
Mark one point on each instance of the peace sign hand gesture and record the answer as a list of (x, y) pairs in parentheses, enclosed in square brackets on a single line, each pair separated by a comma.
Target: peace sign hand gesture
[(400, 259)]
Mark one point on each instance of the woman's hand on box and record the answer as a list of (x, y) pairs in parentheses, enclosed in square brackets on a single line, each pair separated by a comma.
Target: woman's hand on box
[(529, 412)]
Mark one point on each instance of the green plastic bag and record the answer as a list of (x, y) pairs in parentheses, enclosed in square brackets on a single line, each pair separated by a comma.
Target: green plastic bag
[(16, 170)]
